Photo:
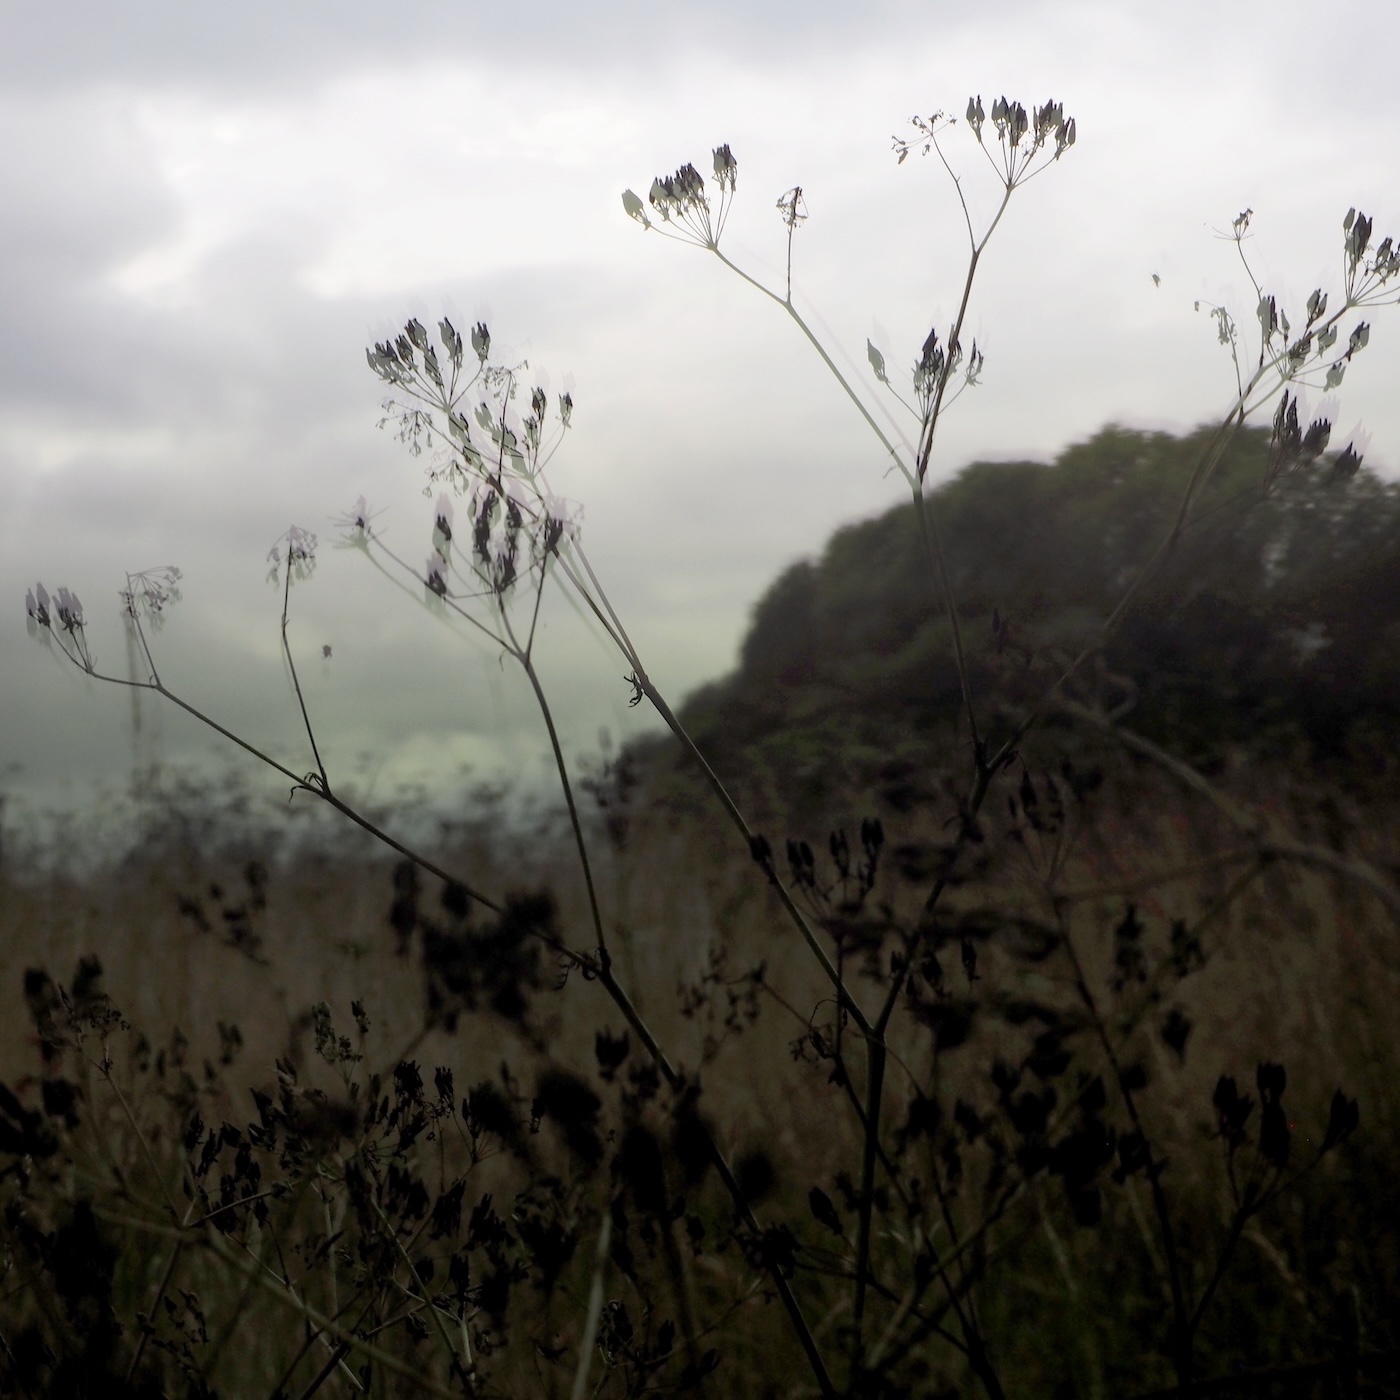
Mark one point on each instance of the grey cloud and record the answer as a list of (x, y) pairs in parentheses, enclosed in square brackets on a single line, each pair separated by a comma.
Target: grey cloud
[(258, 43), (80, 195)]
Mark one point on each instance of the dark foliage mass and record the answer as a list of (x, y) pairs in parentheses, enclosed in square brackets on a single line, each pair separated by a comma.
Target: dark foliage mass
[(1275, 625)]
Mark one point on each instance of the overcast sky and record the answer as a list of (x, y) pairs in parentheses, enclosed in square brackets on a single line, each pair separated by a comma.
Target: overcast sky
[(207, 212)]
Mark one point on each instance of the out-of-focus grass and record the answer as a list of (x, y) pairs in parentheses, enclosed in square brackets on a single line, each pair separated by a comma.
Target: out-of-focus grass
[(1301, 967)]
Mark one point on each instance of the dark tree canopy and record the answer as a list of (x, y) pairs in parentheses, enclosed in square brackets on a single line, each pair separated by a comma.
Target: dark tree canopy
[(1274, 623)]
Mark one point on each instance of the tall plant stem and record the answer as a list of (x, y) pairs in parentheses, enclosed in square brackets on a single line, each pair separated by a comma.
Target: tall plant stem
[(610, 621), (575, 823), (296, 681)]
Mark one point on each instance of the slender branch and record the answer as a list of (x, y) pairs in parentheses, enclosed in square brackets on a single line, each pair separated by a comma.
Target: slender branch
[(574, 820), (933, 545), (296, 681), (826, 360)]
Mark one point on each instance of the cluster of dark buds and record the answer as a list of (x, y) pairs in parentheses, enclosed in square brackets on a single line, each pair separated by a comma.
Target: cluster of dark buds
[(1317, 337), (1308, 358), (1290, 447), (440, 410), (60, 614), (1021, 136), (511, 536), (683, 203), (1233, 1110), (934, 364), (1368, 270), (1293, 449), (411, 352), (62, 610), (1014, 125), (933, 367)]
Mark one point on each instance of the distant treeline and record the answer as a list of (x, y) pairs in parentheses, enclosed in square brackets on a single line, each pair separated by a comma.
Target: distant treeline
[(1274, 626)]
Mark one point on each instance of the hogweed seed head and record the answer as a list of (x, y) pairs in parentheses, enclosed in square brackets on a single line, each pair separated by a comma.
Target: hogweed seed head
[(1021, 136), (300, 545), (681, 200)]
